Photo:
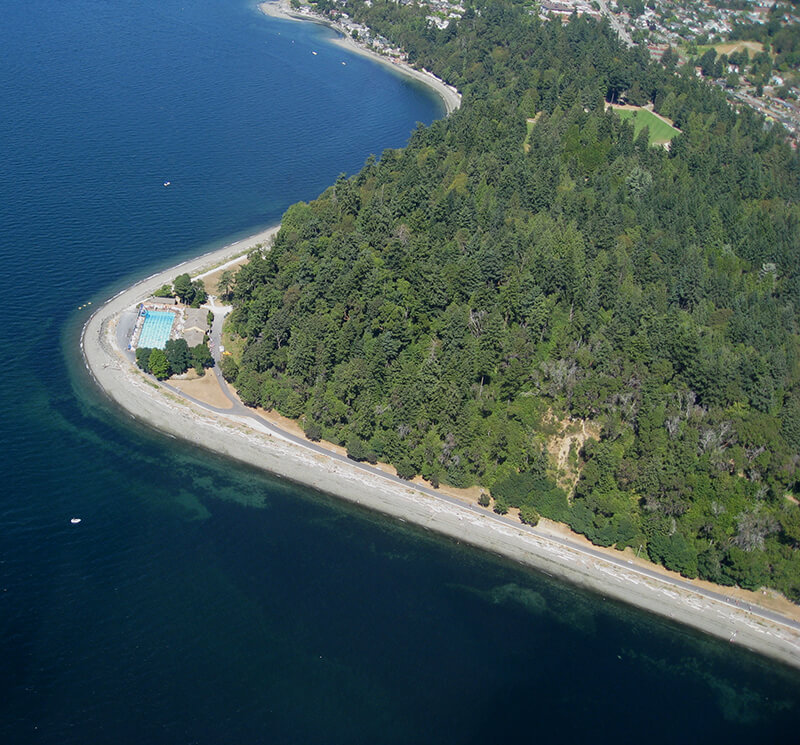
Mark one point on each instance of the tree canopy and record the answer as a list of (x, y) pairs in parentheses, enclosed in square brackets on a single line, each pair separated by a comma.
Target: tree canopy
[(529, 258), (189, 292)]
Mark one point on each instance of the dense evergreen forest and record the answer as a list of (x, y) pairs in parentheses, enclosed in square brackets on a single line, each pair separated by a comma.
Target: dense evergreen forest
[(527, 260)]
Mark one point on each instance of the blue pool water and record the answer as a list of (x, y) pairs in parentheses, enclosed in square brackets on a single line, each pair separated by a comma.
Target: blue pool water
[(156, 329)]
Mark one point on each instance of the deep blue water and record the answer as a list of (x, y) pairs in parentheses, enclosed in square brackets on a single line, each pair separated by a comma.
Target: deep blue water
[(198, 601)]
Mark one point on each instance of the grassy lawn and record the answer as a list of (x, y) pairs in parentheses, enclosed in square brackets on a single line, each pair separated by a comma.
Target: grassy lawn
[(233, 343), (729, 47), (751, 47), (529, 124), (660, 132)]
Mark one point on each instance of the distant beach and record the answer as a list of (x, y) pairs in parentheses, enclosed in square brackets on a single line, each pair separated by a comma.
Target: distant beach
[(449, 95), (265, 445)]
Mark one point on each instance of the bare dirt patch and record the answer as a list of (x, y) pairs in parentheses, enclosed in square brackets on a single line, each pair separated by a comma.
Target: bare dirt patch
[(751, 47), (565, 445), (205, 389), (469, 495), (292, 426), (211, 281)]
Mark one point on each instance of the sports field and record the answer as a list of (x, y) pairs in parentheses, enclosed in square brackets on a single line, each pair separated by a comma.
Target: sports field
[(729, 47), (660, 132)]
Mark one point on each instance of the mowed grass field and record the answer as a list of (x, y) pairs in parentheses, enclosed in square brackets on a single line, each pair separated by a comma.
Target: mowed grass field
[(751, 47), (660, 132), (727, 47)]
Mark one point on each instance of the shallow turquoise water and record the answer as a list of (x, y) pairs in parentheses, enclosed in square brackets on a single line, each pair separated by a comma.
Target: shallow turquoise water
[(199, 601)]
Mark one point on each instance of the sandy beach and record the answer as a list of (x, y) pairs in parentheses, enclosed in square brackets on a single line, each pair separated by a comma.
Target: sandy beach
[(263, 443), (449, 95)]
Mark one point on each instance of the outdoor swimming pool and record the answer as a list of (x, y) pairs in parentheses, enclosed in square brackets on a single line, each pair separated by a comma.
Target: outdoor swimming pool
[(155, 329)]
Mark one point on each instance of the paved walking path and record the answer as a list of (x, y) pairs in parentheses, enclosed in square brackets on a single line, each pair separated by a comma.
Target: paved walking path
[(240, 410), (240, 433)]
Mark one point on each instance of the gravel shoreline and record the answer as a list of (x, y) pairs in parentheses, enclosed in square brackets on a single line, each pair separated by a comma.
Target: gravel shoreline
[(246, 440), (243, 439), (449, 95)]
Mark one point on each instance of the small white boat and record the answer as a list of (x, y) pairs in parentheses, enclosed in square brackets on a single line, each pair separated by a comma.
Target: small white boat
[(314, 53), (75, 520), (167, 183)]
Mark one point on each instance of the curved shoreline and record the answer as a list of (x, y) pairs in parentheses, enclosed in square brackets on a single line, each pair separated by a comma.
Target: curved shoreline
[(264, 446), (449, 95)]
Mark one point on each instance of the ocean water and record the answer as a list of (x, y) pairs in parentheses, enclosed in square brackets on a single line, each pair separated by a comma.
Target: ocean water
[(199, 601)]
